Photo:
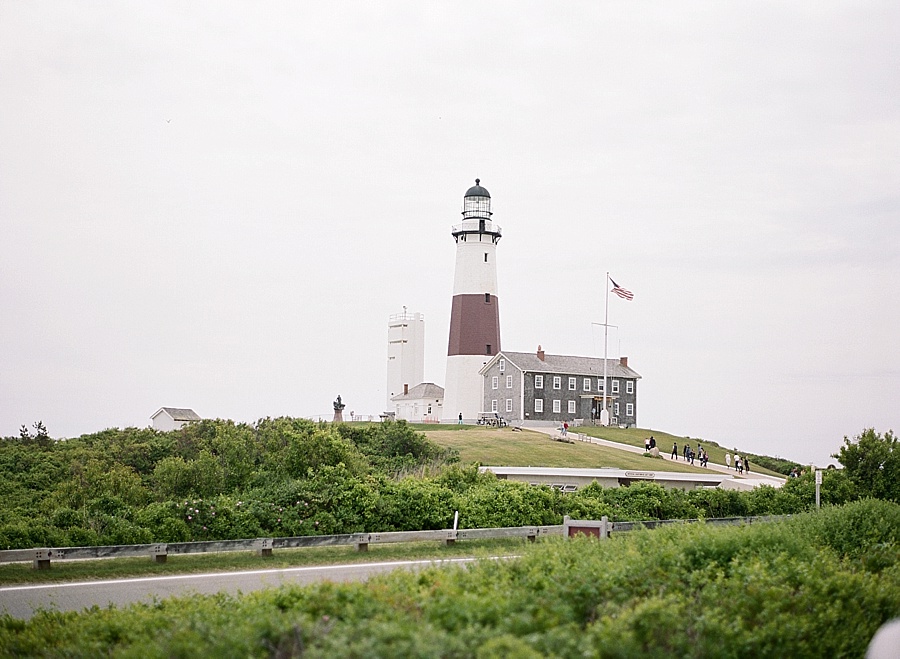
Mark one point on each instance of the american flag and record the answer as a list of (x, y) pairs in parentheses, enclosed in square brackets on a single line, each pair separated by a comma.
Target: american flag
[(621, 292)]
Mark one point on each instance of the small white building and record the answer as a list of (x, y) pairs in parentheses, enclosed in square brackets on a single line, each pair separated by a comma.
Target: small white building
[(173, 418), (406, 353), (421, 404)]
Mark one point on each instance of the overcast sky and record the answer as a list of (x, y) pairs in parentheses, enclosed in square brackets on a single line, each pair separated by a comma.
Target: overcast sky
[(218, 205)]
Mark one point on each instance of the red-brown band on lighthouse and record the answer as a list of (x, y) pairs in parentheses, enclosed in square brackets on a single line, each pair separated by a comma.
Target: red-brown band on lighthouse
[(474, 325)]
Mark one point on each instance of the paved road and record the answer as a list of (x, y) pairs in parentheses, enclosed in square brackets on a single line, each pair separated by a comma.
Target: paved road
[(22, 601)]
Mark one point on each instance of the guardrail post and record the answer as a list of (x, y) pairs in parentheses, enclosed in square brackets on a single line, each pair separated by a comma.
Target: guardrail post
[(451, 538), (159, 553), (264, 547), (41, 559), (604, 527), (361, 542)]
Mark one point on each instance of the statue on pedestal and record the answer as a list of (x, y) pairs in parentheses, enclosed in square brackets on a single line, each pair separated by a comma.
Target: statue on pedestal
[(338, 411)]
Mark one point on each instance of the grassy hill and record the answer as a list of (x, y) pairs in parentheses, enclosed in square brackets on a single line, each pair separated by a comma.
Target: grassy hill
[(492, 446), (503, 446)]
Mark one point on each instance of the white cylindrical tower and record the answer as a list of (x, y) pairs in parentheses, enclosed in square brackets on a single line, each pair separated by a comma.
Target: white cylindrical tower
[(406, 353), (475, 314)]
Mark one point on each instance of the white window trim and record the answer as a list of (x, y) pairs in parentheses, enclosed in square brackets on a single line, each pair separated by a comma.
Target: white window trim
[(615, 386), (502, 365), (538, 381), (539, 405), (509, 382), (557, 382), (616, 409), (629, 409), (509, 404), (587, 384), (557, 406), (494, 407), (573, 384), (629, 386), (495, 382), (571, 407)]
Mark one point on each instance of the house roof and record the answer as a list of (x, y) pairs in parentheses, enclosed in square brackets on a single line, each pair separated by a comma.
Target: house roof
[(178, 413), (592, 366), (420, 391)]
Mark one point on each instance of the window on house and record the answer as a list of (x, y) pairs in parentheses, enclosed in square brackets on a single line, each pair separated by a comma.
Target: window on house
[(572, 384), (615, 386), (495, 382), (571, 407), (557, 406), (629, 386), (557, 382), (494, 407), (587, 384), (538, 404), (538, 381), (616, 409), (600, 385), (629, 409), (509, 404), (509, 382), (502, 363)]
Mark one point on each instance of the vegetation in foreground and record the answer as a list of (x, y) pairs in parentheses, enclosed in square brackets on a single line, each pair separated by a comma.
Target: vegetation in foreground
[(217, 480), (816, 585)]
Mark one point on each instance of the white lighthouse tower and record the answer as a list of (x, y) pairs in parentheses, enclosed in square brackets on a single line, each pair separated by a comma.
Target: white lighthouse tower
[(475, 315), (406, 353)]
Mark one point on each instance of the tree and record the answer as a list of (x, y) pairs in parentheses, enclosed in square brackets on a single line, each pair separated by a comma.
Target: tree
[(872, 463)]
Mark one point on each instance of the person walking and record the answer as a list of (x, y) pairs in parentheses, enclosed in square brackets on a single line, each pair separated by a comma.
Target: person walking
[(737, 464), (460, 418), (565, 432), (746, 464), (675, 450), (728, 460)]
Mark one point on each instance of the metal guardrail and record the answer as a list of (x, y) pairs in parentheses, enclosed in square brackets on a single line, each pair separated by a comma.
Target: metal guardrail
[(603, 528)]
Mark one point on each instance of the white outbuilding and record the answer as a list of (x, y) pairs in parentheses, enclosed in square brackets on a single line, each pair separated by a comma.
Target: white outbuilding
[(421, 404), (173, 418)]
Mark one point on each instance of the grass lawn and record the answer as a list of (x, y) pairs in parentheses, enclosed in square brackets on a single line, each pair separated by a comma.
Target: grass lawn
[(636, 436), (528, 448)]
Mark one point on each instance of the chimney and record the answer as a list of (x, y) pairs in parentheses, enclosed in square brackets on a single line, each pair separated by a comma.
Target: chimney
[(405, 389), (540, 353), (623, 361)]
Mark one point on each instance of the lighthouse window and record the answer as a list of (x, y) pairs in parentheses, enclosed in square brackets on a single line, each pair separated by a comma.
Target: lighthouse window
[(487, 298), (485, 257), (487, 349)]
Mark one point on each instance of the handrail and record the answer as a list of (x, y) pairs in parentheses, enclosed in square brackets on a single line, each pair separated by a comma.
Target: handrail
[(42, 556)]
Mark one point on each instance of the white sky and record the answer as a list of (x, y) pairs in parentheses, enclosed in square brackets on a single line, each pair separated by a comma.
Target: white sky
[(218, 205)]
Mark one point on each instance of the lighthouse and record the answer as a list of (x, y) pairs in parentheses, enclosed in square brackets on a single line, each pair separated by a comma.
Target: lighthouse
[(475, 314)]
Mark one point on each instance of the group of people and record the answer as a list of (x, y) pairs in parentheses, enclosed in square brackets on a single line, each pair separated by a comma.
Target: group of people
[(741, 465), (690, 455)]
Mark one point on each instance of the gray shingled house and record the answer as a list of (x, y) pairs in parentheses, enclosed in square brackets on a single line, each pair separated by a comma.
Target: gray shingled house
[(534, 386)]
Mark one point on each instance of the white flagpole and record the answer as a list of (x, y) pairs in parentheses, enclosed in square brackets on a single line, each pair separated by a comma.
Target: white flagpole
[(604, 415)]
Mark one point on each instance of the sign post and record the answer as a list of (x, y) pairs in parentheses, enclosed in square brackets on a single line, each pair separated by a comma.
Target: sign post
[(818, 486)]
